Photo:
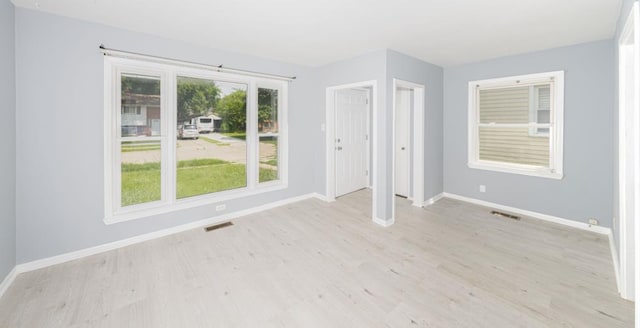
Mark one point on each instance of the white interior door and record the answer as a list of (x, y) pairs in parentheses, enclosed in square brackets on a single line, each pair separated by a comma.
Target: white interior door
[(402, 141), (351, 142)]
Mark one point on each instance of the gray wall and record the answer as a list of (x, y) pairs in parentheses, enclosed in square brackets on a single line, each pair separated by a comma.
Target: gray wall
[(400, 66), (7, 140), (586, 189), (60, 147), (624, 14), (368, 67), (59, 192), (383, 66)]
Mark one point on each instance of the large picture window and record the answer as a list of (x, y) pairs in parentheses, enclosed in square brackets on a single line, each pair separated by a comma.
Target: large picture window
[(515, 124), (178, 137)]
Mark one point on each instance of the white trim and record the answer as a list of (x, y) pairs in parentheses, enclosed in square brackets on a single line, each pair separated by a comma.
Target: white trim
[(614, 258), (515, 169), (555, 171), (114, 67), (384, 223), (195, 201), (417, 145), (627, 238), (8, 280), (62, 258), (323, 198), (545, 217), (433, 199), (330, 119)]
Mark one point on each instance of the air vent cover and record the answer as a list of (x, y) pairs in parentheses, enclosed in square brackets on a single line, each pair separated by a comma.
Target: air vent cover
[(218, 226), (505, 215)]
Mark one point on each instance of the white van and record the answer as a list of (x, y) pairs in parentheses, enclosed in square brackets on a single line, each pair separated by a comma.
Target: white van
[(204, 124)]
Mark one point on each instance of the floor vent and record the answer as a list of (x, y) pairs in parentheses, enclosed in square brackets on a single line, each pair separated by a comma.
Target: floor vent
[(218, 226), (505, 215)]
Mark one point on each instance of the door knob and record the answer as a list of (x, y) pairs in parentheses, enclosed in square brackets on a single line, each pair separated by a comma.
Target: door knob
[(339, 148), (402, 148)]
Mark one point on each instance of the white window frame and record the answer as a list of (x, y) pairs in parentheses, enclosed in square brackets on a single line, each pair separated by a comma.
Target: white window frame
[(168, 73), (555, 169), (281, 134), (534, 109)]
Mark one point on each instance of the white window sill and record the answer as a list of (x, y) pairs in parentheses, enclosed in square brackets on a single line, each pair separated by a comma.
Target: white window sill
[(192, 202), (517, 169)]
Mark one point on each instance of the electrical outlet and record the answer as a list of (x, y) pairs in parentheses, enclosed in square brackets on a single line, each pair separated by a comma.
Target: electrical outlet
[(221, 207), (323, 127), (483, 188), (593, 222)]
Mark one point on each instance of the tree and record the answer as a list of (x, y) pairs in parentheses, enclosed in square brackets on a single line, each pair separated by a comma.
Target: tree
[(140, 85), (267, 106), (196, 97), (232, 109)]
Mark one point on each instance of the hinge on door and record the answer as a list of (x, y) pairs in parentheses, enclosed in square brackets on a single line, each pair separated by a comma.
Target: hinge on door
[(366, 172), (366, 137), (366, 101)]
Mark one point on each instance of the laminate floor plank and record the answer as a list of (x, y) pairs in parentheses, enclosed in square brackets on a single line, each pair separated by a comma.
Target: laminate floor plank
[(317, 264)]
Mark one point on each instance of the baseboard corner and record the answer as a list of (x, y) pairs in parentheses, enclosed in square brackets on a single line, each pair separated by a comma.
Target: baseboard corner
[(433, 199), (8, 280), (383, 222), (322, 197)]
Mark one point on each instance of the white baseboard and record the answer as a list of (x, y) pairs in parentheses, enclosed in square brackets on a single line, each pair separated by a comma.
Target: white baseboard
[(42, 263), (433, 199), (323, 198), (545, 217), (384, 223), (615, 259), (8, 280)]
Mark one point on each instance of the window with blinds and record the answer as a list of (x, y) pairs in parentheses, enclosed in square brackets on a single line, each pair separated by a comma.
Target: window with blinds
[(515, 124)]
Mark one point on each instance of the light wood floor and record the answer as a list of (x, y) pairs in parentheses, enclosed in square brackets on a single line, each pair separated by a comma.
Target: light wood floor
[(313, 264)]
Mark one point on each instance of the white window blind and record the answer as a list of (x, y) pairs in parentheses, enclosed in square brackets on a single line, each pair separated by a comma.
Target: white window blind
[(500, 141), (515, 124)]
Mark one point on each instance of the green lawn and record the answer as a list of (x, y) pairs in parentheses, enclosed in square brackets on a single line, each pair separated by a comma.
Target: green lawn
[(141, 182), (237, 135), (272, 162), (129, 146), (215, 142)]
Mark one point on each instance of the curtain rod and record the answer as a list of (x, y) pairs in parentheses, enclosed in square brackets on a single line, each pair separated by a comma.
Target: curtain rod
[(219, 68)]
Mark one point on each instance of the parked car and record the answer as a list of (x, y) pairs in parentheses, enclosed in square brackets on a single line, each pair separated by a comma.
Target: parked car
[(188, 131)]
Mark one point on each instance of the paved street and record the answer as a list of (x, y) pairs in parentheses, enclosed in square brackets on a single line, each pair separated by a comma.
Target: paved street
[(229, 149)]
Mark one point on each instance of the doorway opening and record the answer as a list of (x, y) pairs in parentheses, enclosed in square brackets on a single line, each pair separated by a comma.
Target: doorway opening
[(350, 139), (408, 142)]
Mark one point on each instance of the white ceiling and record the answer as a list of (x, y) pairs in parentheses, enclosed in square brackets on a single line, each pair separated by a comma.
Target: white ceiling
[(314, 33)]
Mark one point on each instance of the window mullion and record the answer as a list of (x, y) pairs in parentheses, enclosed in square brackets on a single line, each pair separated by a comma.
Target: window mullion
[(283, 131), (169, 140), (116, 148), (252, 136)]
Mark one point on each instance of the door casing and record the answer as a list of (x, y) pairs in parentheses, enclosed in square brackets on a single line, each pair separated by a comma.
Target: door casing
[(417, 144), (629, 155), (329, 128)]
